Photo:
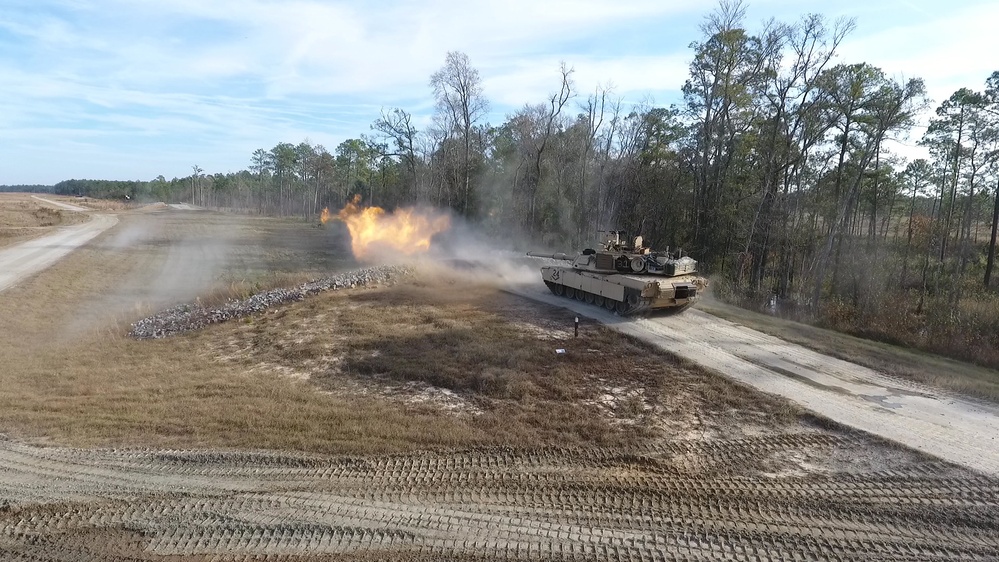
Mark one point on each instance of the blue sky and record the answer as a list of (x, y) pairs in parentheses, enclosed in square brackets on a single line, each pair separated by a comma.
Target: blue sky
[(131, 89)]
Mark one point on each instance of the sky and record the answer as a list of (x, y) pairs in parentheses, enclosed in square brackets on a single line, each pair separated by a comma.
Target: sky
[(134, 89)]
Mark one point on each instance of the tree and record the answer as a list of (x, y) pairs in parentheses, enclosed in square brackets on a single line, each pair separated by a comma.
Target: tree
[(261, 163), (725, 73), (992, 101), (282, 158), (918, 175), (791, 127), (460, 104), (396, 126), (946, 136), (866, 106), (196, 184)]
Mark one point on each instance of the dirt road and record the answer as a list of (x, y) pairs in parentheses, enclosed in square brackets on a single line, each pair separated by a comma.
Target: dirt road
[(65, 206), (950, 427), (27, 258)]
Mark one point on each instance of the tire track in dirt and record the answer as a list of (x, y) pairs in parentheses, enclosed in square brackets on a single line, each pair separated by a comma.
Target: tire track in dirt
[(649, 503)]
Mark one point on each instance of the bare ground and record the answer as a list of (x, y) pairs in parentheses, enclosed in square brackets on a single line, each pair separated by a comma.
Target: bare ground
[(427, 421)]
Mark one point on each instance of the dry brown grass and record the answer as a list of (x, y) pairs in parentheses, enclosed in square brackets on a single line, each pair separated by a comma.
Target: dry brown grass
[(328, 374)]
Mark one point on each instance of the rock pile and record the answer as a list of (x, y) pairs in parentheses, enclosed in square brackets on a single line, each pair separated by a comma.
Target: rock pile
[(187, 317)]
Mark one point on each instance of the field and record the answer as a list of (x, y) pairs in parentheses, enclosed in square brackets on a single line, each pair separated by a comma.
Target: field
[(426, 418)]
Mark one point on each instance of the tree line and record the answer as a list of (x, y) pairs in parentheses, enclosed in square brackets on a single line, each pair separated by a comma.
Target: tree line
[(774, 172)]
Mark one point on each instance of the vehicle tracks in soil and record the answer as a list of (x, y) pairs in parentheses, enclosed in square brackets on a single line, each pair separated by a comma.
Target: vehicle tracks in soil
[(740, 499)]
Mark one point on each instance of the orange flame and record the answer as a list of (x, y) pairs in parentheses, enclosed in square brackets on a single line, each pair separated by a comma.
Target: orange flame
[(325, 217), (407, 231)]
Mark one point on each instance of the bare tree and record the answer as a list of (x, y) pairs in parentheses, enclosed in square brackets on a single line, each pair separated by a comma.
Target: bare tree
[(195, 183), (397, 127), (460, 104)]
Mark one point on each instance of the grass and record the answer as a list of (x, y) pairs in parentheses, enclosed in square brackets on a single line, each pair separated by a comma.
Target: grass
[(311, 375)]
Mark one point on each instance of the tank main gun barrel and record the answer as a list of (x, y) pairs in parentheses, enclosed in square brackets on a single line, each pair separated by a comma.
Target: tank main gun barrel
[(556, 256)]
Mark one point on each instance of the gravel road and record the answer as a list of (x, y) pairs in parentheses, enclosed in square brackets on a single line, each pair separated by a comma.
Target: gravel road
[(949, 427)]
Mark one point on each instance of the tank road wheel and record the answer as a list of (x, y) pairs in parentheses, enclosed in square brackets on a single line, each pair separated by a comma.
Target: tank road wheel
[(599, 300), (580, 295), (621, 307), (609, 304), (570, 292), (559, 289), (589, 298)]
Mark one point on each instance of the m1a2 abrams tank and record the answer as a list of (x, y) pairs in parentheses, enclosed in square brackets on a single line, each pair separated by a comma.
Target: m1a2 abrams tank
[(626, 279)]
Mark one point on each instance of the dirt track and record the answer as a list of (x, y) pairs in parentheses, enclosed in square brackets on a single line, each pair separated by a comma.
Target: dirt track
[(950, 427), (61, 205), (689, 500)]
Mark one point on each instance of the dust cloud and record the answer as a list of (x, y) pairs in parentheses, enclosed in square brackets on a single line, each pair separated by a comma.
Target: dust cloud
[(485, 258), (152, 265), (170, 258)]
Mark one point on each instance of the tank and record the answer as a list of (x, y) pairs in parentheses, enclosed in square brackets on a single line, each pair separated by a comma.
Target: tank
[(625, 279)]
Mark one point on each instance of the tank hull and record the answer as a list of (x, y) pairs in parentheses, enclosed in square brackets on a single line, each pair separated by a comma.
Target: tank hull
[(623, 293)]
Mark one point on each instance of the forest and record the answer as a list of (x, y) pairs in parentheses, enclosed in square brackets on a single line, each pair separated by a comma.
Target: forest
[(775, 172)]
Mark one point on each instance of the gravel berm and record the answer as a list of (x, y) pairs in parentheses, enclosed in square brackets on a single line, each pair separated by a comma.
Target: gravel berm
[(187, 317)]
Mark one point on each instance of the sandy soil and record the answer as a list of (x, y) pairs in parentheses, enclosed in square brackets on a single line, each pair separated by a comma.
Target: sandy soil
[(953, 428)]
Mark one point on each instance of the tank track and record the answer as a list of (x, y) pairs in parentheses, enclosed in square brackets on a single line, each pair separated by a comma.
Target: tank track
[(635, 303)]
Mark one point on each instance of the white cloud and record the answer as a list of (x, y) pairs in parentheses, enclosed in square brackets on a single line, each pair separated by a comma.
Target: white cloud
[(947, 50), (630, 77), (212, 80)]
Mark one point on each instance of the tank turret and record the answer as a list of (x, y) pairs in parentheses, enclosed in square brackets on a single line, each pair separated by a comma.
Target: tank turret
[(627, 278)]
